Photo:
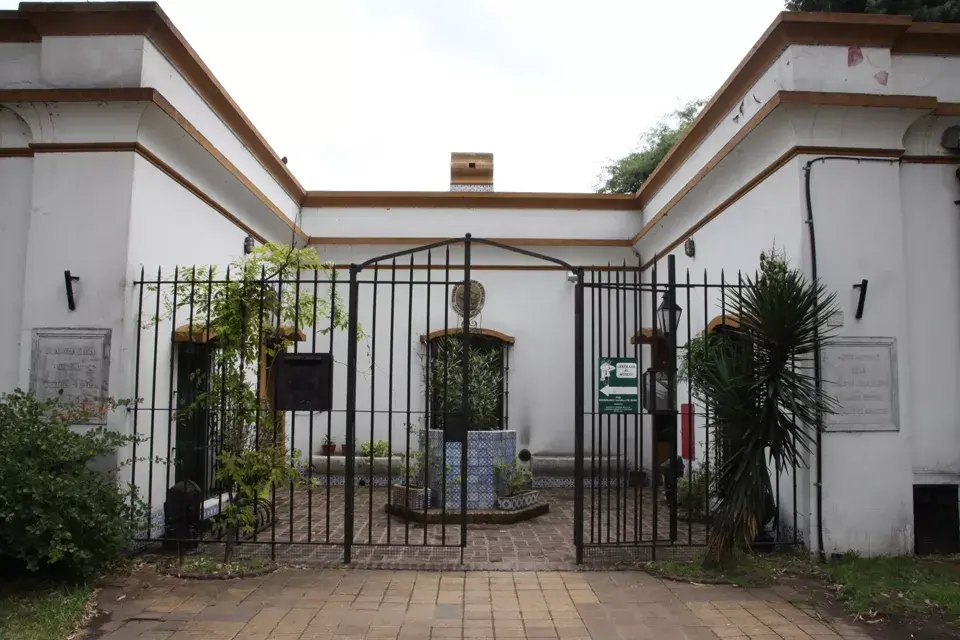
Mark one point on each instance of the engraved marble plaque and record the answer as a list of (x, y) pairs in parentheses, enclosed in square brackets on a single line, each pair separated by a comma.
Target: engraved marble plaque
[(71, 364), (861, 374)]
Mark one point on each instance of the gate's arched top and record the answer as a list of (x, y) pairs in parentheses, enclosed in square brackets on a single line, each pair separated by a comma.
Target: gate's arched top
[(468, 238)]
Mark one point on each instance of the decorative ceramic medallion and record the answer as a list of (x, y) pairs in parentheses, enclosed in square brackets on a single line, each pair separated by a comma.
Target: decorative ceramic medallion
[(477, 298)]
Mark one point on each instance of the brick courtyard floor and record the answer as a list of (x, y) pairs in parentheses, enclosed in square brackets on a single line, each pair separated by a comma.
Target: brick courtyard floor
[(318, 604), (543, 543)]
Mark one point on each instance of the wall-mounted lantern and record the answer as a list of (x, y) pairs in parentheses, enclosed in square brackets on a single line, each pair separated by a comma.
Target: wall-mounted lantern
[(664, 312)]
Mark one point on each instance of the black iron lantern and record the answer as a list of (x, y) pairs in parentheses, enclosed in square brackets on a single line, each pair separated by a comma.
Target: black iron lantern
[(664, 312)]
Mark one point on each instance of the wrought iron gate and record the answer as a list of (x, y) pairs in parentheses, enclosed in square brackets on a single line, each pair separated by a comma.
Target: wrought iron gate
[(642, 466), (643, 471), (399, 496), (440, 508)]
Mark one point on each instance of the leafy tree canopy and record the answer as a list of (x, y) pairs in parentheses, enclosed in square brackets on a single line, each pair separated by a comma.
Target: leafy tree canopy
[(628, 173), (922, 10)]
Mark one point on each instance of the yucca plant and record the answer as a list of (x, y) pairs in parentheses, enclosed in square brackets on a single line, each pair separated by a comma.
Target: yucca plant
[(760, 383)]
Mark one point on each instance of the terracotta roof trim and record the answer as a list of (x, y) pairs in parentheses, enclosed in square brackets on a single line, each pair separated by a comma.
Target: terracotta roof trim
[(470, 200), (148, 19), (35, 19), (899, 33)]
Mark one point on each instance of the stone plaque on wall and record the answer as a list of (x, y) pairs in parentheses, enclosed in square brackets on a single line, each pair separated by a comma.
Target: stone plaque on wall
[(861, 374), (71, 364)]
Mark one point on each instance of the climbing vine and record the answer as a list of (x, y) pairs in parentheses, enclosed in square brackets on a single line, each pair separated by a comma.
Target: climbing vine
[(249, 312)]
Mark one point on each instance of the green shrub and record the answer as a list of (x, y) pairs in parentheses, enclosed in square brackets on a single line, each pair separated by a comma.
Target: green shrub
[(512, 478), (58, 515), (380, 449), (693, 493)]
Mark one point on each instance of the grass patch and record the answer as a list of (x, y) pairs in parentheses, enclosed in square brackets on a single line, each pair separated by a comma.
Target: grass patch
[(745, 570), (207, 566), (42, 613), (905, 586)]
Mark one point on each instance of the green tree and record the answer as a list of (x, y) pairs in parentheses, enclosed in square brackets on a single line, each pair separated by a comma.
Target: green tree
[(628, 173), (922, 10)]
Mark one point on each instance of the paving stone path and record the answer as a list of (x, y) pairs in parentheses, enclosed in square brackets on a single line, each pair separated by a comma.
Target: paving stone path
[(329, 604)]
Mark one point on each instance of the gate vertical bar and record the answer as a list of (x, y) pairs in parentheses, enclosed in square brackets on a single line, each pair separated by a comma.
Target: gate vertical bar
[(578, 378), (594, 500), (465, 394), (671, 332), (655, 449), (136, 412), (373, 402), (618, 471), (351, 413)]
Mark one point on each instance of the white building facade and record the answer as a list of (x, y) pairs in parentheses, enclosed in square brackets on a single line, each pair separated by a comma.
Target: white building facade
[(121, 153)]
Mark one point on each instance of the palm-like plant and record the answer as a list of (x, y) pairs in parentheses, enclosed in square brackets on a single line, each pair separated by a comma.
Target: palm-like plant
[(767, 404)]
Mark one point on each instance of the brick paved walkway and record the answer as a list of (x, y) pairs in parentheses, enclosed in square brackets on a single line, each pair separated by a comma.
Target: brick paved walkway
[(543, 543), (357, 604)]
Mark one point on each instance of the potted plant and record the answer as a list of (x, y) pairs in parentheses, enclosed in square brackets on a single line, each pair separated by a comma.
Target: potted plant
[(411, 490), (328, 448), (514, 486), (343, 449)]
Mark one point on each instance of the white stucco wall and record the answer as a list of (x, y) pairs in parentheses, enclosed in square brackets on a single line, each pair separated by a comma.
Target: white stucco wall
[(16, 180), (19, 64), (931, 239), (76, 226), (852, 200), (158, 73), (482, 223), (15, 185), (86, 62)]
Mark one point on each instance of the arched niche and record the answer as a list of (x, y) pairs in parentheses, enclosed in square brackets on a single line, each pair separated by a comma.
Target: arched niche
[(484, 339)]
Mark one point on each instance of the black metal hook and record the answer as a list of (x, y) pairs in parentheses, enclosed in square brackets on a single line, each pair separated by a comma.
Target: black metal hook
[(863, 297), (68, 280)]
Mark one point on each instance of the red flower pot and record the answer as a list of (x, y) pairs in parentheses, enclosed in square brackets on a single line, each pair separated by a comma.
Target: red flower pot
[(328, 449), (343, 449)]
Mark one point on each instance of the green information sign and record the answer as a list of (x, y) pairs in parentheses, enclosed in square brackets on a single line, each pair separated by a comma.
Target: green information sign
[(619, 385)]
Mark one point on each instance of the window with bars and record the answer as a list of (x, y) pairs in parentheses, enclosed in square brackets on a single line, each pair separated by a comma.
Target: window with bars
[(488, 382)]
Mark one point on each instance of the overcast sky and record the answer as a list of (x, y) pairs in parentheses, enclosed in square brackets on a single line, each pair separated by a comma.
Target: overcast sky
[(375, 94)]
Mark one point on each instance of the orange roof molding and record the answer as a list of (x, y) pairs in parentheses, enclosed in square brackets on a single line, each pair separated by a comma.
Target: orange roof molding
[(838, 29), (37, 19), (723, 321), (471, 200), (456, 331), (144, 94), (513, 242)]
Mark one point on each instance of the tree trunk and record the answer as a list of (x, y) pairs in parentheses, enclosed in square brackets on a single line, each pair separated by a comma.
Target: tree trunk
[(228, 545)]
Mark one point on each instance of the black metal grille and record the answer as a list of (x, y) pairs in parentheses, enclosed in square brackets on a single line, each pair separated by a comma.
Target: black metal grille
[(627, 466), (936, 519)]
